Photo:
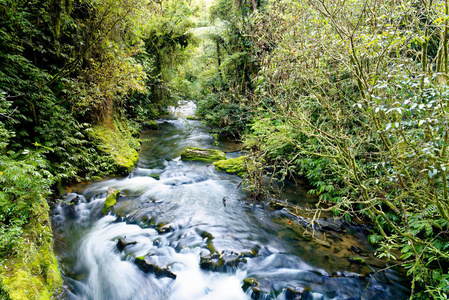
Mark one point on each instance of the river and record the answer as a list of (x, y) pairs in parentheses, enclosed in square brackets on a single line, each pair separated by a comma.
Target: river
[(173, 215)]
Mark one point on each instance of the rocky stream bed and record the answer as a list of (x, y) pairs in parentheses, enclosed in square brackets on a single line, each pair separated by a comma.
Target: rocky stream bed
[(176, 229)]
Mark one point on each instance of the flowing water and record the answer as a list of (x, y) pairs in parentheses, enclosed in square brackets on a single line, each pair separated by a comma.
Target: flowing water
[(173, 212)]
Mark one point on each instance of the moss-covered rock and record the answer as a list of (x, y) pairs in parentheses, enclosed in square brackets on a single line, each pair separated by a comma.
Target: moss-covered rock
[(260, 288), (117, 140), (199, 154), (249, 282), (233, 166), (34, 273), (163, 228), (221, 262), (357, 260), (110, 201), (155, 176), (192, 118)]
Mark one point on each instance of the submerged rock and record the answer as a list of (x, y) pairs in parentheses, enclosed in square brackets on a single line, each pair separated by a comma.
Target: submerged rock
[(163, 228), (122, 243), (333, 224), (263, 289), (206, 235), (221, 263), (356, 249), (149, 267), (199, 154), (249, 282), (293, 293), (110, 201), (209, 245), (233, 165), (322, 242), (276, 205), (254, 252), (155, 176), (211, 263), (260, 289)]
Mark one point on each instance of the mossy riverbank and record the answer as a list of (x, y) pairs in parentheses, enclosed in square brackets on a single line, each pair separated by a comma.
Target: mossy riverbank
[(119, 141), (32, 272)]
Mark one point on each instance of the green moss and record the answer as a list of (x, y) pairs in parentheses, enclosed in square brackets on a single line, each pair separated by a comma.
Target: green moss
[(117, 141), (232, 165), (192, 118), (249, 282), (156, 176), (199, 154), (206, 235), (110, 201), (34, 273), (357, 260), (211, 248)]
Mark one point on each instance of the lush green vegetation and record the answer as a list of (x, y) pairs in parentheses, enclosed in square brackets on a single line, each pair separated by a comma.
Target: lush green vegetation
[(352, 96), (77, 78)]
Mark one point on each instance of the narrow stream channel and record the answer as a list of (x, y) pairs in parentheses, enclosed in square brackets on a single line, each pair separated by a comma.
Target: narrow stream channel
[(173, 215)]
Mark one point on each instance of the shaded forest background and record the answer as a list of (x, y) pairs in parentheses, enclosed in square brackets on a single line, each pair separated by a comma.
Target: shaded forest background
[(351, 95)]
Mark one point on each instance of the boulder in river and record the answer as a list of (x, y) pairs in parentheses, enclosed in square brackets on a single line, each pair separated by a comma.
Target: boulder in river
[(163, 228), (233, 165), (111, 199), (221, 262), (294, 293), (149, 267), (260, 288), (122, 243), (334, 224), (199, 154)]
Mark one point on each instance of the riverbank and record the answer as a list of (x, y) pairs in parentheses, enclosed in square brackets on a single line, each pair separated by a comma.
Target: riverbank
[(30, 269), (34, 273)]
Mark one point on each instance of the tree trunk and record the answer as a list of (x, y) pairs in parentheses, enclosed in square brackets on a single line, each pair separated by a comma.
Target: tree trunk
[(219, 59)]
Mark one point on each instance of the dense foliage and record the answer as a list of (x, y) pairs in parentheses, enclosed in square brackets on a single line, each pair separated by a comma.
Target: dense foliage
[(71, 75), (353, 96)]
